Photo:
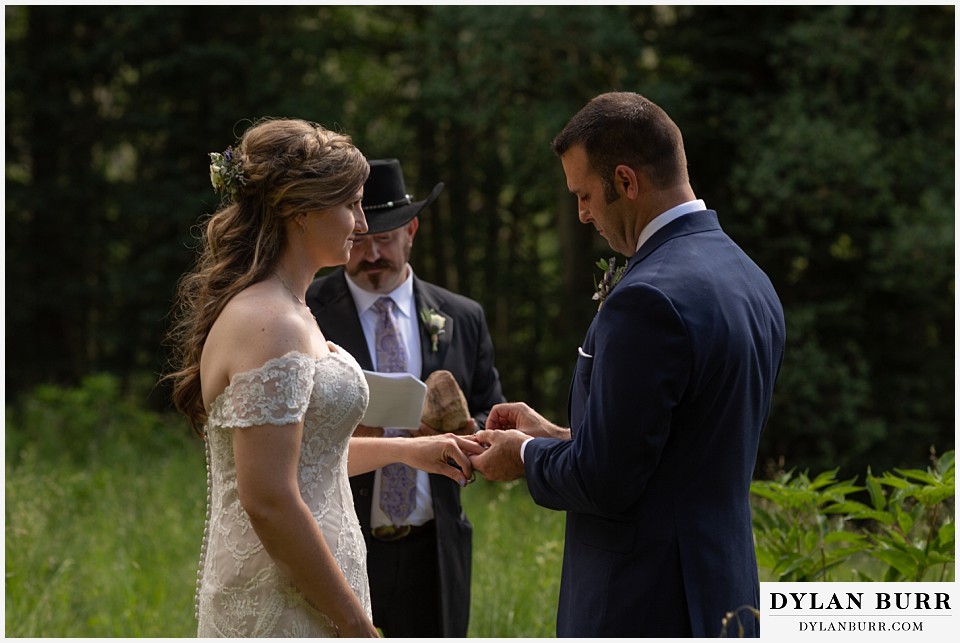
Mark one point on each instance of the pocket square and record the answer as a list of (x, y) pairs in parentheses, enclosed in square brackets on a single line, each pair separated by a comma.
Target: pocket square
[(582, 354)]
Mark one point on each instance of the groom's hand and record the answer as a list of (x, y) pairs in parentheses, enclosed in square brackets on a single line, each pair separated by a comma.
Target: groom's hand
[(501, 459), (519, 416)]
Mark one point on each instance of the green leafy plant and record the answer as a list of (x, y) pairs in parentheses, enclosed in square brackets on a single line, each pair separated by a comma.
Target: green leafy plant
[(912, 518), (796, 539), (817, 530)]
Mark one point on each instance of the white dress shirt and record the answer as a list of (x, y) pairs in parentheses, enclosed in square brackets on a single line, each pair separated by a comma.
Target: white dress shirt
[(406, 316), (655, 224), (664, 218)]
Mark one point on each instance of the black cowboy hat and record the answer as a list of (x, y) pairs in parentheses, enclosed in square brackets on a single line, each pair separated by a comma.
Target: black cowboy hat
[(386, 203)]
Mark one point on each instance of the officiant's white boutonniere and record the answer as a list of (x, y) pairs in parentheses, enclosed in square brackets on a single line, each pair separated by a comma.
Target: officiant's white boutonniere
[(611, 275), (433, 322)]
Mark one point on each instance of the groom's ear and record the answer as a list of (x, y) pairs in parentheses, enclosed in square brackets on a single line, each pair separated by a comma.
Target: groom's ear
[(627, 181)]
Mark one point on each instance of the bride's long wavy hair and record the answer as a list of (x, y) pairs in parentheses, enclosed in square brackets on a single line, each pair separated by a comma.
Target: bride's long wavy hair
[(290, 166)]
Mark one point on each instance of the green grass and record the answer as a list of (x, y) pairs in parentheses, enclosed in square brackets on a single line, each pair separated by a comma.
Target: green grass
[(104, 551), (104, 520), (517, 553), (110, 549), (103, 516)]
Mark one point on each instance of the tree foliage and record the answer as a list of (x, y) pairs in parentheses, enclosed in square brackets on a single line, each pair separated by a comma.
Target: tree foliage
[(822, 135)]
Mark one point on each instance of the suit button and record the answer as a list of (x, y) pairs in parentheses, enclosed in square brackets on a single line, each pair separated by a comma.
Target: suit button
[(364, 492)]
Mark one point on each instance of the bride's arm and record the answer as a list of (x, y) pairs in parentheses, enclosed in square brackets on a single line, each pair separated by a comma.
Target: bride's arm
[(266, 459), (431, 454)]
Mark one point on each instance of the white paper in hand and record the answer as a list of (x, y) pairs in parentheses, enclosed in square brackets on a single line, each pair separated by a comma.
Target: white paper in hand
[(396, 400)]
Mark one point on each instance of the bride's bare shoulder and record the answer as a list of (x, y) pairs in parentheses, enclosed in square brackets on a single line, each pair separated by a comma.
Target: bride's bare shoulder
[(255, 326)]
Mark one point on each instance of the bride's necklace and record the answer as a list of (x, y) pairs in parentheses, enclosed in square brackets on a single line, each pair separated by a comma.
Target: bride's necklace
[(288, 289)]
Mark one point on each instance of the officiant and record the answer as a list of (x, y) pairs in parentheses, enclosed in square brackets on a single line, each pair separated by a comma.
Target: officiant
[(419, 540)]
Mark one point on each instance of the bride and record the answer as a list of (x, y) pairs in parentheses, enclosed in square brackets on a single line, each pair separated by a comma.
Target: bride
[(275, 402)]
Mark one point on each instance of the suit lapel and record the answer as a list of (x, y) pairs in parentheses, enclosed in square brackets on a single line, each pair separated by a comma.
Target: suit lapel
[(426, 298), (338, 318)]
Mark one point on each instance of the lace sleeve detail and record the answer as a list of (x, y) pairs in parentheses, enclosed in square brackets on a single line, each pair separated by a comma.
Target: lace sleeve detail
[(277, 393)]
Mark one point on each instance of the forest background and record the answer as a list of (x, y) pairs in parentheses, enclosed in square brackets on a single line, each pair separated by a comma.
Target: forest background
[(823, 136)]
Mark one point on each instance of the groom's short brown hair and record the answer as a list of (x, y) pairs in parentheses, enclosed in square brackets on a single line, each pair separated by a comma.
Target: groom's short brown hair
[(624, 128)]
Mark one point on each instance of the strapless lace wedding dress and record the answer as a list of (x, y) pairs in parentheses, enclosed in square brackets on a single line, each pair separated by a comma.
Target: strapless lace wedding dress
[(240, 591)]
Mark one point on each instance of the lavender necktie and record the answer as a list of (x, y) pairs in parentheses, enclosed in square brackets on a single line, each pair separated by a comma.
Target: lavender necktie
[(398, 482)]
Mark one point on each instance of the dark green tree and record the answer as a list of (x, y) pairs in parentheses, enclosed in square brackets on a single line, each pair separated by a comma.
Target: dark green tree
[(832, 159)]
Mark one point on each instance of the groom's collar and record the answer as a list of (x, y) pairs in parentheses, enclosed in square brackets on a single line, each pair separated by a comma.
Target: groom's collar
[(664, 218)]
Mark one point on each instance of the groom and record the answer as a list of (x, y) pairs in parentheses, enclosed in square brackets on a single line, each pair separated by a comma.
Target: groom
[(672, 389)]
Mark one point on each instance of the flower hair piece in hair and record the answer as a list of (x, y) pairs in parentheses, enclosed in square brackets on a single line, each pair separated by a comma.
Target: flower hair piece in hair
[(226, 172)]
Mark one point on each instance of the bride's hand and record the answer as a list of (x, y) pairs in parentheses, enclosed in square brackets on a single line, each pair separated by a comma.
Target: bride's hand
[(446, 454)]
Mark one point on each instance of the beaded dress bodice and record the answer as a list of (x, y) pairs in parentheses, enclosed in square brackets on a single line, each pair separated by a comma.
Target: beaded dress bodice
[(240, 590)]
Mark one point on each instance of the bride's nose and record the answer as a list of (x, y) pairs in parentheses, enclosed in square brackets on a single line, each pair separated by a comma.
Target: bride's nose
[(360, 221)]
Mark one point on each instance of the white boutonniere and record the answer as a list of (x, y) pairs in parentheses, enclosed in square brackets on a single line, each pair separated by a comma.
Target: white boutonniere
[(433, 322), (611, 275)]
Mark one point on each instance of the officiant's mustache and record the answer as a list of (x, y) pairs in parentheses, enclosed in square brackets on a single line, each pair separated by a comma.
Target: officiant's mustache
[(379, 264)]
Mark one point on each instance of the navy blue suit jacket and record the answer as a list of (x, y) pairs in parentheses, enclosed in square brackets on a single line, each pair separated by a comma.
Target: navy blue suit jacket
[(666, 415)]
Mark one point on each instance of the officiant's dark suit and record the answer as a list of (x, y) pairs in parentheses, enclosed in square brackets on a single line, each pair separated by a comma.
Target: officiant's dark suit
[(425, 603), (672, 388)]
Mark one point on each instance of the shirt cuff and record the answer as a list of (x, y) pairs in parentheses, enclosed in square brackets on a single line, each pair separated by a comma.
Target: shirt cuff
[(523, 447)]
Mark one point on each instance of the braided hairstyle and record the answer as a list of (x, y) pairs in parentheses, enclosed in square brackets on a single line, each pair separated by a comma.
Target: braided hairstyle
[(289, 166)]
